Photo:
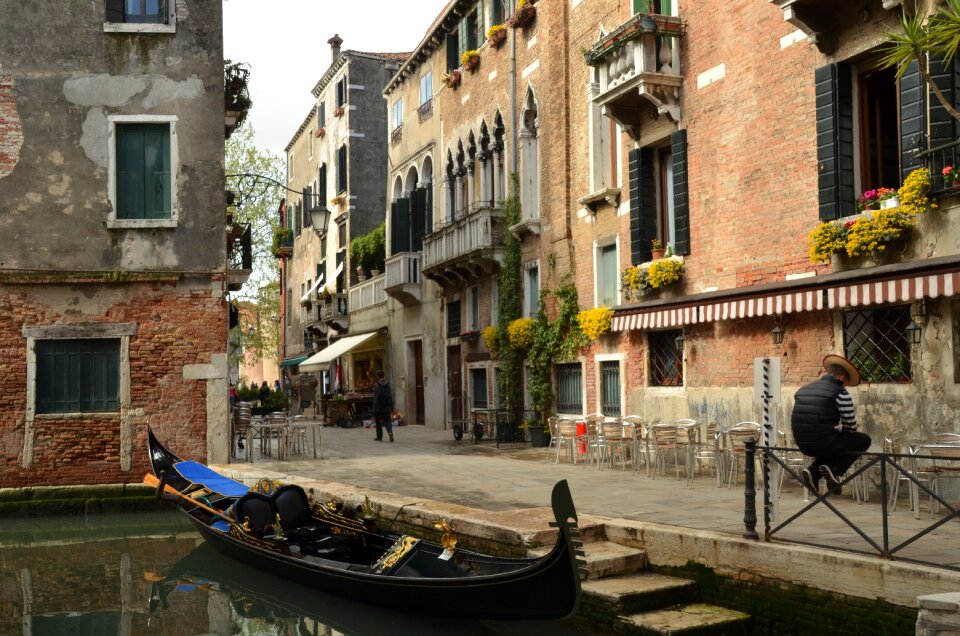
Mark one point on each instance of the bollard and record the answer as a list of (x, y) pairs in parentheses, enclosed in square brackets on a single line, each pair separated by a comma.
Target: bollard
[(749, 491)]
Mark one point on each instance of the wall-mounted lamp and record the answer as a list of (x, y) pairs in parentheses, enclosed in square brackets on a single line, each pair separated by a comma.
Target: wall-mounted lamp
[(918, 311), (319, 217), (679, 341), (913, 331), (777, 333)]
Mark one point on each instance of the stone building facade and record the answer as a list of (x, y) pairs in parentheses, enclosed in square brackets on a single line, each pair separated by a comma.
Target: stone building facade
[(112, 271)]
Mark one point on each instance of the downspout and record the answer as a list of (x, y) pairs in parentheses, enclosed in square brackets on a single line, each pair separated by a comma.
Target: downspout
[(513, 101), (568, 227)]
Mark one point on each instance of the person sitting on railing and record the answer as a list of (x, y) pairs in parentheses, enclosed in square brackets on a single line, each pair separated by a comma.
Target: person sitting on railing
[(825, 425)]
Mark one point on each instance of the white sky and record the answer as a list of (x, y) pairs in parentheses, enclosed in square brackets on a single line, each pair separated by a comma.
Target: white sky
[(285, 44)]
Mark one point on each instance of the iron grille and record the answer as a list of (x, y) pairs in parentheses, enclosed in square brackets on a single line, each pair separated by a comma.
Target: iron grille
[(453, 319), (478, 387), (666, 361), (875, 341), (610, 387), (569, 388)]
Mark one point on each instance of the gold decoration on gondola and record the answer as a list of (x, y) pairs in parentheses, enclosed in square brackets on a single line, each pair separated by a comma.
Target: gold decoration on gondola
[(267, 486), (367, 510), (397, 551), (278, 528), (448, 540), (245, 526)]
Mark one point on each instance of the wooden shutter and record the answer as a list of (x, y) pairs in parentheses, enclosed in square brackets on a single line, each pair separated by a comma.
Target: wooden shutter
[(143, 171), (913, 91), (114, 11), (496, 12), (341, 258), (322, 114), (463, 31), (643, 204), (307, 204), (75, 376), (834, 102), (401, 226), (418, 210), (428, 207), (342, 169), (481, 21), (681, 199), (453, 57), (297, 218), (130, 177), (322, 186)]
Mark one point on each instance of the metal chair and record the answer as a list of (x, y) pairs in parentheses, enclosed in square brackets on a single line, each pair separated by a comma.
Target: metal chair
[(633, 430), (611, 442), (552, 425), (663, 439), (736, 447), (594, 420), (945, 464), (567, 438), (707, 448)]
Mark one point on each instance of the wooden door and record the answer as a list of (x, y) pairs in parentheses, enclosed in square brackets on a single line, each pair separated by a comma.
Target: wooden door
[(454, 384), (417, 348)]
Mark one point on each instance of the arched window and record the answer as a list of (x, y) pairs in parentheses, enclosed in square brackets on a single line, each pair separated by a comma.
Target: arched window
[(499, 170), (529, 159)]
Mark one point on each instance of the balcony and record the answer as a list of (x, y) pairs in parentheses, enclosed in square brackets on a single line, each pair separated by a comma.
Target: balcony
[(631, 75), (403, 277), (396, 135), (282, 243), (333, 310), (826, 22), (466, 248), (239, 256), (368, 293)]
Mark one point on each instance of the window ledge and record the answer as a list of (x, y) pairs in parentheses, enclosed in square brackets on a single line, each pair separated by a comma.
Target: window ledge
[(124, 27), (594, 200), (666, 391), (527, 225), (140, 224), (78, 416)]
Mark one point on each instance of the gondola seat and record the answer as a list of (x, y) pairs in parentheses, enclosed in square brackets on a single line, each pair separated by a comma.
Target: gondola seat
[(260, 510), (292, 504)]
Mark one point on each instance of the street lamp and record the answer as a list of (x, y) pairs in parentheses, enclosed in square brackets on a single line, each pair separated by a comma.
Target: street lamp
[(913, 332), (246, 186), (319, 217), (679, 341)]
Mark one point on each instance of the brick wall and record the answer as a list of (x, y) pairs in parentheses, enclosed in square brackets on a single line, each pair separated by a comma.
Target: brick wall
[(177, 326), (11, 133)]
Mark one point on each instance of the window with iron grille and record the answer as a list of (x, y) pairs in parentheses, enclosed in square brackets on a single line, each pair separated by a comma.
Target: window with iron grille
[(307, 341), (569, 388), (875, 341), (478, 388), (77, 376), (666, 361), (610, 387), (453, 319)]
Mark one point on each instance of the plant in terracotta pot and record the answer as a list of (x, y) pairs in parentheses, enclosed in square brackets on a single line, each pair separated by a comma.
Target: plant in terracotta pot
[(470, 60), (656, 249), (452, 79), (497, 34), (523, 15)]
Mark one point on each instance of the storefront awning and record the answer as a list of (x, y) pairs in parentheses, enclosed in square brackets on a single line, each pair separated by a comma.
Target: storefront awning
[(290, 362), (885, 284), (319, 361)]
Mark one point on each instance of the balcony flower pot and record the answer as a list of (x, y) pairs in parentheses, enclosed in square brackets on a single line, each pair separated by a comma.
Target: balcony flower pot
[(374, 272), (321, 132), (523, 16), (339, 111), (497, 35), (470, 336), (470, 60), (657, 253), (452, 80)]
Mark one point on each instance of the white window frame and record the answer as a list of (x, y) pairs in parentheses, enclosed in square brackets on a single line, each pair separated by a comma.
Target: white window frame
[(428, 76), (478, 367), (396, 113), (610, 357), (598, 281), (112, 220), (146, 27)]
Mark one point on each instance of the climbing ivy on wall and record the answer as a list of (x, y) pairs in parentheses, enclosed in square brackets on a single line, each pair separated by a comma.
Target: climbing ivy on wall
[(511, 360)]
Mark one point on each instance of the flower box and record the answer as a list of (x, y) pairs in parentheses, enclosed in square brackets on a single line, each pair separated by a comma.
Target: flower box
[(452, 80), (470, 336), (523, 16), (339, 111), (497, 35), (320, 132)]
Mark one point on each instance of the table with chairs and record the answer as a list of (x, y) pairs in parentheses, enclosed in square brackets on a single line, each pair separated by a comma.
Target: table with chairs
[(274, 434)]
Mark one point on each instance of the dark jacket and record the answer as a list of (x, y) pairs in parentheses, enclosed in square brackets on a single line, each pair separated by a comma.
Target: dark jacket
[(815, 410), (382, 397)]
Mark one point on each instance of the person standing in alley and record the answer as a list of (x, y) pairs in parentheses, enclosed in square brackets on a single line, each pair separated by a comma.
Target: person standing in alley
[(824, 424), (264, 392), (382, 406)]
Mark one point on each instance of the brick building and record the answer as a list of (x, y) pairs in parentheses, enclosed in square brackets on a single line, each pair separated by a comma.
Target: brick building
[(113, 268)]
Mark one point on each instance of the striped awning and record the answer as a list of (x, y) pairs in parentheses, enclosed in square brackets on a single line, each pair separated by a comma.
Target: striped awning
[(854, 294), (896, 290)]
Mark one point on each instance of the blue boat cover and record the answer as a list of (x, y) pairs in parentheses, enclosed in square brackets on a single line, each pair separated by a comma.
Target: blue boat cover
[(203, 476)]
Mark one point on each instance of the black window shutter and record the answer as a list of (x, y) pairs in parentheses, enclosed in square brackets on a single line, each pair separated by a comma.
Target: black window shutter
[(418, 212), (428, 209), (342, 169), (643, 204), (912, 98), (114, 11), (453, 56), (834, 103), (400, 230), (307, 204), (322, 186), (681, 199)]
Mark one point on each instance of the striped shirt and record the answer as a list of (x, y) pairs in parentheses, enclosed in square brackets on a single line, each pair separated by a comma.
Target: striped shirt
[(848, 415)]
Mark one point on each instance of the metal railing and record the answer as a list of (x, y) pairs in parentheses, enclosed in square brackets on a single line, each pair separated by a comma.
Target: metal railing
[(899, 466), (240, 250), (935, 160), (501, 426)]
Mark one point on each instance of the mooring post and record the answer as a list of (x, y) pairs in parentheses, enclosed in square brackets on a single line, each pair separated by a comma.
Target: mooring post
[(749, 490)]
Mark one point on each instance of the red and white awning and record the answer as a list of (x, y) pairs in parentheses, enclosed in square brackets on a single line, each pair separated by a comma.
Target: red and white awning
[(656, 319), (891, 291)]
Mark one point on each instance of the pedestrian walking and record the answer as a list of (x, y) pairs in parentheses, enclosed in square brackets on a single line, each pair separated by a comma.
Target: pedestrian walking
[(264, 393), (824, 424), (382, 406)]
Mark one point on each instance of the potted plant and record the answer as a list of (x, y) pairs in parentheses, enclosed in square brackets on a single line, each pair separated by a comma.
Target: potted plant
[(665, 271), (321, 131), (452, 79), (657, 249), (950, 179), (470, 60), (523, 15), (539, 433), (497, 34), (339, 111)]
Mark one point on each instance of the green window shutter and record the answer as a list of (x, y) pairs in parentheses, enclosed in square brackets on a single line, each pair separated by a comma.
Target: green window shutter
[(307, 204), (913, 91), (464, 32), (342, 169), (401, 226), (130, 172), (496, 12), (418, 205), (114, 10), (608, 275), (834, 102), (681, 199), (453, 57), (75, 376), (156, 159), (643, 204), (322, 186), (143, 171), (428, 210), (481, 21)]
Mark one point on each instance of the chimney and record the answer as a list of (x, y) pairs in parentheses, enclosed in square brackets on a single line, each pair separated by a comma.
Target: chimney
[(334, 43)]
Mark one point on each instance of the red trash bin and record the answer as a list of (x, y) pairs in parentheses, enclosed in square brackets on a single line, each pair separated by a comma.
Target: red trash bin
[(582, 436)]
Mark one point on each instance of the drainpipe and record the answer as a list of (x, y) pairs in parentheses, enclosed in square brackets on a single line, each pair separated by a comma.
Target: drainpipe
[(513, 100)]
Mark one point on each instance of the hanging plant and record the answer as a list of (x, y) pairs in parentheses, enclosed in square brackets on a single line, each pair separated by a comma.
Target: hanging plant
[(665, 271), (595, 322), (491, 338), (520, 332)]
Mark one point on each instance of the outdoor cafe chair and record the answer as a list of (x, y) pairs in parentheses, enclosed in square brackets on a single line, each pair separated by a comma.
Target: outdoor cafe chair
[(552, 426), (662, 438), (612, 443), (707, 448), (593, 421), (736, 447), (945, 464), (633, 430), (567, 438)]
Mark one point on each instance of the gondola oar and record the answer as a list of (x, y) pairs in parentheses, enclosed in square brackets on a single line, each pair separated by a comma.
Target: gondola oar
[(152, 480)]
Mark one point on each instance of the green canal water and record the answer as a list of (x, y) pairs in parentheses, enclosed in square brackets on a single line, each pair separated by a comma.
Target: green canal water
[(151, 574)]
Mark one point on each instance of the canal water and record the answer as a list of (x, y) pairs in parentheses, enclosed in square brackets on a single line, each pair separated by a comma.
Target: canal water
[(150, 573)]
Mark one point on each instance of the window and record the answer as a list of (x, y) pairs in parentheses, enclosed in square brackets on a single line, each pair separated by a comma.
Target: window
[(658, 197), (321, 114), (78, 376), (342, 91), (530, 160), (666, 361), (342, 169), (288, 310), (307, 340), (309, 146), (453, 319), (290, 167), (397, 114), (494, 301), (661, 7), (152, 16), (496, 12), (426, 88), (531, 289), (478, 388), (569, 388), (605, 148), (608, 278), (453, 50), (468, 33), (473, 309), (322, 185), (875, 341), (143, 159), (610, 387)]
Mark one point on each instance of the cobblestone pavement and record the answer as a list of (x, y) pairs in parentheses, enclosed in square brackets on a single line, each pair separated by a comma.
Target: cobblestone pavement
[(427, 463)]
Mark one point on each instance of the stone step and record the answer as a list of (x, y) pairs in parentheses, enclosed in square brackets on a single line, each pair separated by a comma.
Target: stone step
[(611, 559), (634, 593), (689, 620)]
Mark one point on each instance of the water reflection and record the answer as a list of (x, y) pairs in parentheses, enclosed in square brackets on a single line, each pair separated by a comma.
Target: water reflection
[(151, 574)]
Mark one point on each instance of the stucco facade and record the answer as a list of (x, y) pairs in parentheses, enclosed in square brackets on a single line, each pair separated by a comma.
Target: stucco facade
[(77, 265)]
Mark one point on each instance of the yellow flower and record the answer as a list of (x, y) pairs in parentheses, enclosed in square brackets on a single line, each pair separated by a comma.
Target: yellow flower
[(664, 271), (595, 322), (520, 333), (468, 55), (913, 193), (491, 339), (825, 240)]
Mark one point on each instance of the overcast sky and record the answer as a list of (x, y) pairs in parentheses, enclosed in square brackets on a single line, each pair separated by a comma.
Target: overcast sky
[(285, 44)]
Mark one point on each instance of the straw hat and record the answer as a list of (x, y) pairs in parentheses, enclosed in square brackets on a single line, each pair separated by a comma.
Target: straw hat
[(852, 374)]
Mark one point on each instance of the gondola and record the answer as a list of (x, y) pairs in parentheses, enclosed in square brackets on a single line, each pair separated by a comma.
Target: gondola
[(329, 549)]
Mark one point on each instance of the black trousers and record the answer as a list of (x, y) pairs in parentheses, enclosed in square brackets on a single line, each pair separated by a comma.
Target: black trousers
[(829, 448), (381, 420)]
